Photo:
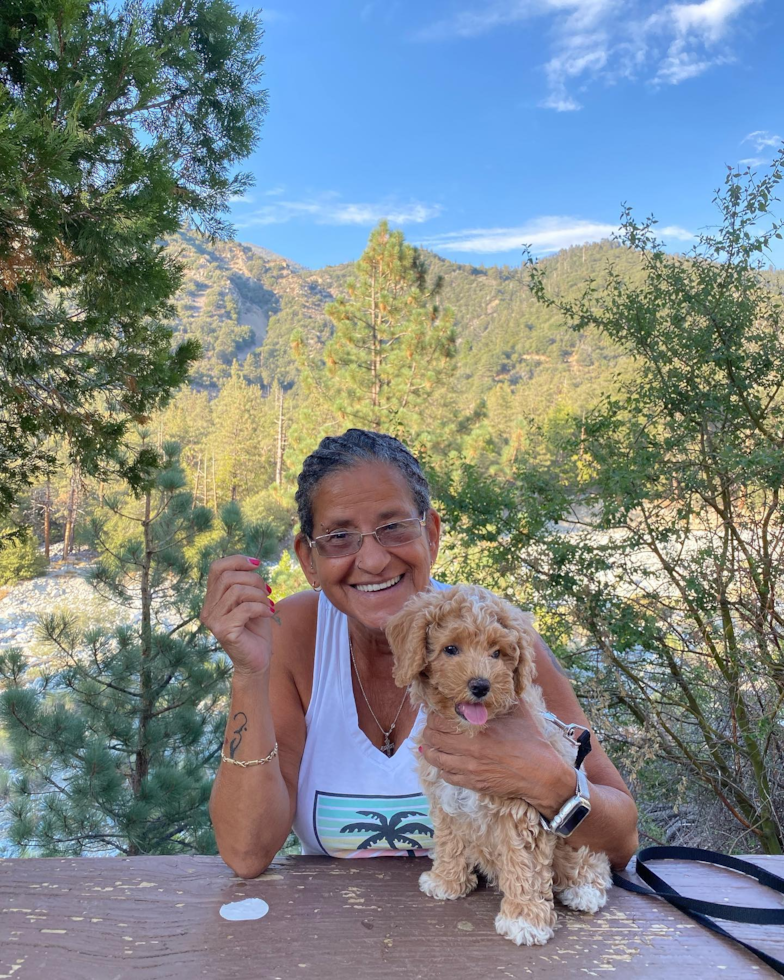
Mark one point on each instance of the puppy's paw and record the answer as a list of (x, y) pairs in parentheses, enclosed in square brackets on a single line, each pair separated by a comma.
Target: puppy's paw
[(522, 932), (583, 898), (435, 886)]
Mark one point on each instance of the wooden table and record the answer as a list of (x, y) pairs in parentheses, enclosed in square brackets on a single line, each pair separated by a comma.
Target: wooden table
[(149, 917)]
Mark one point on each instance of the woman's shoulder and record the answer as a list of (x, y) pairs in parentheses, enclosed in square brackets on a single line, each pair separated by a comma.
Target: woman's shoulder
[(297, 618), (304, 602), (294, 639)]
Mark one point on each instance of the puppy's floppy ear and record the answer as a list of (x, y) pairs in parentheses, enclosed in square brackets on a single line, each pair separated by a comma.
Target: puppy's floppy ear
[(407, 635), (518, 624)]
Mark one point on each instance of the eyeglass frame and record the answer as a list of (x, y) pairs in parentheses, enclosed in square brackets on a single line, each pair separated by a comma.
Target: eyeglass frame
[(421, 520)]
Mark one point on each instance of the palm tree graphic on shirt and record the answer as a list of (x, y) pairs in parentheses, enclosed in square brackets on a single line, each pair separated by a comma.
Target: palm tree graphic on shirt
[(388, 829)]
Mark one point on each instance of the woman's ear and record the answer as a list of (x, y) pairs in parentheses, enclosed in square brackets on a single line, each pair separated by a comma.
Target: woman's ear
[(305, 556), (407, 635), (433, 531)]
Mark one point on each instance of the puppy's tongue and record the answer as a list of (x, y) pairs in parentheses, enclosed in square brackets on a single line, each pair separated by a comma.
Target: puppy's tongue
[(476, 714)]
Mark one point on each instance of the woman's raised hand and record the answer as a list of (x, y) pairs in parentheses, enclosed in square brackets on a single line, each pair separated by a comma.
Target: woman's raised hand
[(237, 610)]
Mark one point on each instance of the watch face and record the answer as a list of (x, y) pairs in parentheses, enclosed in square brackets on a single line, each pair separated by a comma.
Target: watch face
[(574, 819)]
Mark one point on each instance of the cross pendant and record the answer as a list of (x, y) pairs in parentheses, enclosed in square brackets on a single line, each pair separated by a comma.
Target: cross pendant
[(388, 748)]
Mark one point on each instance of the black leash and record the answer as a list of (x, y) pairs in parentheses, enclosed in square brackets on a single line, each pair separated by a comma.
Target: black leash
[(582, 742), (704, 912), (583, 747)]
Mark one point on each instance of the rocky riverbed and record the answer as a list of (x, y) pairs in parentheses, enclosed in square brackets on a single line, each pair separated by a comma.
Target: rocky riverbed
[(64, 588)]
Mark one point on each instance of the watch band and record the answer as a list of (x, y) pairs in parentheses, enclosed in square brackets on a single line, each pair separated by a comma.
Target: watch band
[(573, 812)]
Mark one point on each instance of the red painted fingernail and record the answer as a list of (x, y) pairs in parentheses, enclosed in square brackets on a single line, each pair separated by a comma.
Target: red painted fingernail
[(255, 562), (272, 606), (269, 590), (421, 749)]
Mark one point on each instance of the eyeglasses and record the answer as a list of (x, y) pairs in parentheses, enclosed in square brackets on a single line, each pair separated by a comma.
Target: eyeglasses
[(339, 544)]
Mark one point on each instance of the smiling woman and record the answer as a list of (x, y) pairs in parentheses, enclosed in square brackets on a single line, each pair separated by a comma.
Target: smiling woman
[(325, 735)]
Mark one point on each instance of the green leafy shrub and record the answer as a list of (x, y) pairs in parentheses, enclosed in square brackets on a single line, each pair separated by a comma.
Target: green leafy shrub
[(20, 559)]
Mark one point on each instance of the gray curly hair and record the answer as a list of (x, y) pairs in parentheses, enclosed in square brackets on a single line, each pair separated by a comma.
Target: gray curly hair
[(356, 446)]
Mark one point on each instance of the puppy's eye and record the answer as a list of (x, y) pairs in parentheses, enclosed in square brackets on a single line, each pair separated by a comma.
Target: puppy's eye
[(451, 651), (495, 654)]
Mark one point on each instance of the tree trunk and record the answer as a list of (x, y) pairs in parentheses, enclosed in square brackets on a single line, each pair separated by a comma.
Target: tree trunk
[(375, 359), (141, 766), (196, 483), (281, 449), (47, 518), (70, 517)]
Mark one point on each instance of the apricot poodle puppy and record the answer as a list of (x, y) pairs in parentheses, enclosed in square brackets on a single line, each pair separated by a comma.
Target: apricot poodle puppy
[(468, 655)]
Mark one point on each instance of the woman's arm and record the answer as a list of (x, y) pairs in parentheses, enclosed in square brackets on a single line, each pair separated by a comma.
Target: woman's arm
[(252, 808), (509, 757), (611, 826)]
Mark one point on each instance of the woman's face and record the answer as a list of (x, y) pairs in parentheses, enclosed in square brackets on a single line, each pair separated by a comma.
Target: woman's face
[(363, 498)]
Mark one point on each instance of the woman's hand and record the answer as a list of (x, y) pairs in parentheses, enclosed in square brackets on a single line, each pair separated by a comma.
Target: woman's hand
[(509, 757), (237, 610)]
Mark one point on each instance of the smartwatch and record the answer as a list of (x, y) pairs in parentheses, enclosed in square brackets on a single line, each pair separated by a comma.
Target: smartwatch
[(573, 812)]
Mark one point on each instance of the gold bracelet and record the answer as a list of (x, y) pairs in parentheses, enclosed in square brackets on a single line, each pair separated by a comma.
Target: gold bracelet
[(252, 762)]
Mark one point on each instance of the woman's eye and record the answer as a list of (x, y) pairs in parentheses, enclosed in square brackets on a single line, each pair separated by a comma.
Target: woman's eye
[(451, 651), (495, 654)]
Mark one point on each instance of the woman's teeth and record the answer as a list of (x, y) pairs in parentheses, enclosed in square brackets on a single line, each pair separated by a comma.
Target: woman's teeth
[(379, 586)]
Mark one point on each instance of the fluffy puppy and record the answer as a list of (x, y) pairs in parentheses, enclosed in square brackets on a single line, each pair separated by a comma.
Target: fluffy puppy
[(469, 656)]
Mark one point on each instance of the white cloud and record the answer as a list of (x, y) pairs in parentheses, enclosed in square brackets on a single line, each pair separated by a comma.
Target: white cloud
[(762, 138), (609, 39), (581, 15), (545, 235), (698, 34), (327, 210), (708, 19), (582, 53), (675, 231)]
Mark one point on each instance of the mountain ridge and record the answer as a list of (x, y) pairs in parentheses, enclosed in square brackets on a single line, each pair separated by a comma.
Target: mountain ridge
[(244, 302)]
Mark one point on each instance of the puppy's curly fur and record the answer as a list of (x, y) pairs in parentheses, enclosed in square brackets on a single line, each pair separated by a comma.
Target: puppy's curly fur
[(443, 643)]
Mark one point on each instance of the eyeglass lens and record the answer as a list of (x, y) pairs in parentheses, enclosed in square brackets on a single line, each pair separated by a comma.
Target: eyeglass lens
[(349, 542)]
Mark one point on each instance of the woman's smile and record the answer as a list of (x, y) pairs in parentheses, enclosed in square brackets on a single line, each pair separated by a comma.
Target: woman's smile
[(378, 587)]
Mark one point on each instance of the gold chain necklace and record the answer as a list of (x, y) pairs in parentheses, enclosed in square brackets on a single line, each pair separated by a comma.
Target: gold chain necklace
[(388, 748)]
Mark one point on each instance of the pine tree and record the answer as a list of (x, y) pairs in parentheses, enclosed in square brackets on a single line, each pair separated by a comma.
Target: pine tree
[(114, 748), (393, 343), (242, 441), (118, 122), (20, 557)]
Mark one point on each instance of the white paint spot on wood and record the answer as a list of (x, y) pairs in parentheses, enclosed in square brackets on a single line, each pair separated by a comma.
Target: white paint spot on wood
[(248, 908)]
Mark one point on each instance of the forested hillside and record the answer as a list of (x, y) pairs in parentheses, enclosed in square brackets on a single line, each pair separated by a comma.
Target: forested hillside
[(243, 302), (518, 367)]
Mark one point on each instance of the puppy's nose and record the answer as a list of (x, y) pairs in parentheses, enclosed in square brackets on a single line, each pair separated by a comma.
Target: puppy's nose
[(479, 686)]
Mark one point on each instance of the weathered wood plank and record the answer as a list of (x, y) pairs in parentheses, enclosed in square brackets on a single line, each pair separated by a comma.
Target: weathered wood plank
[(106, 918)]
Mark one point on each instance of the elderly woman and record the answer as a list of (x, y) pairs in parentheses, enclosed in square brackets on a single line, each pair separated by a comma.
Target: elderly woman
[(319, 735)]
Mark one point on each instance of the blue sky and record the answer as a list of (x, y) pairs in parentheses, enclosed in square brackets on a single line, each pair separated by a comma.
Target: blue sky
[(478, 125)]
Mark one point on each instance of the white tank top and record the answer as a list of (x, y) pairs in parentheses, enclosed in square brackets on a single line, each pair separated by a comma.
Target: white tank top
[(352, 800)]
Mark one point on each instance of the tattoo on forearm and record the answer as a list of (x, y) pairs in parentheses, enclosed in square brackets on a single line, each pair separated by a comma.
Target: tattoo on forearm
[(236, 742)]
